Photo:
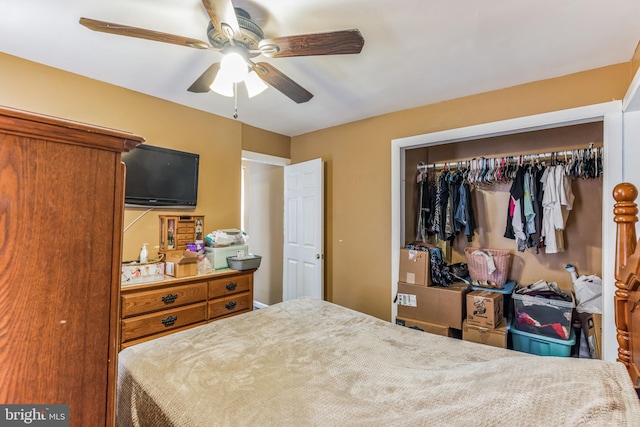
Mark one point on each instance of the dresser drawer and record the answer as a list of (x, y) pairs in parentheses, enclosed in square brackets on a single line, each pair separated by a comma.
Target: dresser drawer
[(166, 320), (229, 285), (186, 228), (229, 305), (148, 301)]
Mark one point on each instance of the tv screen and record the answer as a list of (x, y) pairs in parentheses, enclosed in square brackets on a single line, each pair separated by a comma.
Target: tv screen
[(161, 177)]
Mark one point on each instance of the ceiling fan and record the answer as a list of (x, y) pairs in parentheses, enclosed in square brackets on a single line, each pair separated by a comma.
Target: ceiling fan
[(232, 32)]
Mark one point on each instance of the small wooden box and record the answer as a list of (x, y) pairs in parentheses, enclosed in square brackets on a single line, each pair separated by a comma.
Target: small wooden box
[(176, 231)]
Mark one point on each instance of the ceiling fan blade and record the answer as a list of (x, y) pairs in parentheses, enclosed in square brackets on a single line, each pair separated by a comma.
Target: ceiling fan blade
[(332, 43), (281, 82), (203, 83), (223, 17), (141, 33)]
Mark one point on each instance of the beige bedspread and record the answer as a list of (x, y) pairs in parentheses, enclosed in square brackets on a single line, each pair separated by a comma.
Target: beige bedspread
[(312, 363)]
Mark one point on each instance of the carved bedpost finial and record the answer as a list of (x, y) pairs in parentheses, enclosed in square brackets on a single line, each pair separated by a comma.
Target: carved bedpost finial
[(625, 214), (625, 192)]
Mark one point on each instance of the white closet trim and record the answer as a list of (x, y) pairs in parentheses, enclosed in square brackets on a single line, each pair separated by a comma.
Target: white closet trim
[(265, 158), (631, 101), (609, 112)]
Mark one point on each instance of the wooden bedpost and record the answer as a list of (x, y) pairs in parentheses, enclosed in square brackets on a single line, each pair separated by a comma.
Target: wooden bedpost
[(625, 213)]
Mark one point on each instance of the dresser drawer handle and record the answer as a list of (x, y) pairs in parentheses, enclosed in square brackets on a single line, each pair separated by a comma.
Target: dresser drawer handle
[(169, 320), (230, 305), (169, 298), (231, 286)]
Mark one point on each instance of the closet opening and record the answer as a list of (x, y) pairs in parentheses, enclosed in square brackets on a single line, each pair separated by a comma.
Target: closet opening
[(490, 200), (600, 124)]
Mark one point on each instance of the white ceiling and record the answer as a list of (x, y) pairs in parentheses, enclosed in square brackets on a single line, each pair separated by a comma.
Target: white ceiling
[(416, 52)]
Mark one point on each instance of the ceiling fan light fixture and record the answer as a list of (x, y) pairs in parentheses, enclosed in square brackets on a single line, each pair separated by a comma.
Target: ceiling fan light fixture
[(234, 66), (222, 85), (254, 84)]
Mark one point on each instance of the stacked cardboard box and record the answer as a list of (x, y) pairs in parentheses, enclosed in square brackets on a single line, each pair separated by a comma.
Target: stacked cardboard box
[(433, 304), (434, 309), (415, 268), (485, 322), (420, 325)]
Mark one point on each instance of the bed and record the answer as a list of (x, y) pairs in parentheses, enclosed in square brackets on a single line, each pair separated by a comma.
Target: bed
[(308, 362)]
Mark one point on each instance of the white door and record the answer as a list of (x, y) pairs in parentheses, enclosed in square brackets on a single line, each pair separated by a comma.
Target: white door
[(303, 260)]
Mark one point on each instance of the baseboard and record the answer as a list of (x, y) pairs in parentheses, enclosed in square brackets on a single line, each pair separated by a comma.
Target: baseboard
[(258, 304)]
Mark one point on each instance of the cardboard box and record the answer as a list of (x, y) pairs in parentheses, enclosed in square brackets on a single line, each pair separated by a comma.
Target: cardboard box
[(485, 308), (592, 332), (181, 263), (141, 273), (496, 337), (414, 267), (420, 325), (433, 304)]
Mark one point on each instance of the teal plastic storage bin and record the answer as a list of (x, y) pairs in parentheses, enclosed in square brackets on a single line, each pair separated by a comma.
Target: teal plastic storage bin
[(541, 345)]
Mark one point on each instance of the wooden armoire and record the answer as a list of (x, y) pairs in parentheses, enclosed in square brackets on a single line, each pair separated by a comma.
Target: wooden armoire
[(61, 214)]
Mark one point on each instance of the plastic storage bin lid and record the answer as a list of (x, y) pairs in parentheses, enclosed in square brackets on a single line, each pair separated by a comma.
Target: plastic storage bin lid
[(540, 300), (507, 288)]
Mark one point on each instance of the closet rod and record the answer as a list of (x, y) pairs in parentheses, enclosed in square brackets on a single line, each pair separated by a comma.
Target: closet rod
[(424, 166)]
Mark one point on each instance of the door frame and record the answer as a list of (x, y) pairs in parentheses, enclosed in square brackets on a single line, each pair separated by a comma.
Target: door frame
[(254, 157), (610, 113)]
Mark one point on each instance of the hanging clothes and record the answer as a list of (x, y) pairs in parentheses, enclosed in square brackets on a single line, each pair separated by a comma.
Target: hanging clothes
[(518, 219), (455, 181), (464, 213), (528, 212), (446, 228), (515, 216), (536, 240), (557, 202), (540, 197), (426, 201)]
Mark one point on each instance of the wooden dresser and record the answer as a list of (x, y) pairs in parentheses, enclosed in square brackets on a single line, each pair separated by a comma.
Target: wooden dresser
[(61, 214), (151, 310)]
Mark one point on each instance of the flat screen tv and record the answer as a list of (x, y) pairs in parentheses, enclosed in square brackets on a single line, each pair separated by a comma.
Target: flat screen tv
[(161, 177)]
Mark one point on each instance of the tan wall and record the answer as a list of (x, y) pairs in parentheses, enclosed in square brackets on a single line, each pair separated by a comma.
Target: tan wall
[(219, 141), (264, 142), (358, 211)]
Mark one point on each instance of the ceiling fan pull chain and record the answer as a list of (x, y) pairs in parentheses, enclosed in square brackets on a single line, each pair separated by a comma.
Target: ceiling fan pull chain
[(235, 100)]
